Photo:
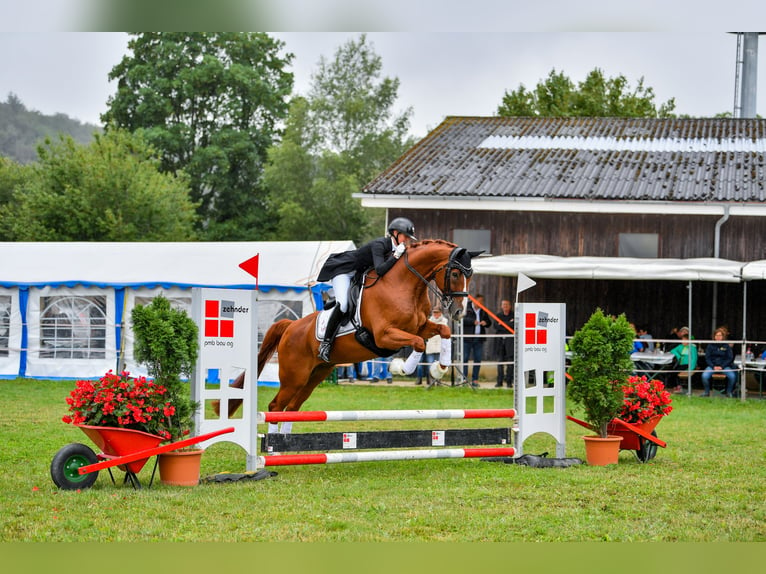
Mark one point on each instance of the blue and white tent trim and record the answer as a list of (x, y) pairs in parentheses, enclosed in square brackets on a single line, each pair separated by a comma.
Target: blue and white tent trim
[(65, 307)]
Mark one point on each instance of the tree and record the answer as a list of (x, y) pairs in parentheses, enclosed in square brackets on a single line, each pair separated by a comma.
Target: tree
[(21, 130), (210, 103), (337, 138), (111, 190), (596, 96)]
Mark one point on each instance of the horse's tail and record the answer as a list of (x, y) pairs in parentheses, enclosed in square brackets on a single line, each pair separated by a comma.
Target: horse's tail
[(271, 341)]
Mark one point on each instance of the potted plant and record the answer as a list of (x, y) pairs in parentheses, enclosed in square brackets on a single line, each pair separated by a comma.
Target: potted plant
[(600, 369), (166, 342)]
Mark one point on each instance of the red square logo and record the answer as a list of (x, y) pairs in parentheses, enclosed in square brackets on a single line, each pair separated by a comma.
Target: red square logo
[(227, 328), (542, 337), (531, 321), (211, 308), (529, 337), (211, 328)]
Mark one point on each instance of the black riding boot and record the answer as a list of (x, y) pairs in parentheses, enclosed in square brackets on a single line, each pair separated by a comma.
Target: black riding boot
[(333, 324)]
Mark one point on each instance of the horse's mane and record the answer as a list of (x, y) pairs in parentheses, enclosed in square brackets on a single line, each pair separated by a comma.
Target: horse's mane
[(427, 242)]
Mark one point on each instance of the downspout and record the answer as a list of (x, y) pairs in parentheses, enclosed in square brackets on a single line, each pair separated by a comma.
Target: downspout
[(716, 253)]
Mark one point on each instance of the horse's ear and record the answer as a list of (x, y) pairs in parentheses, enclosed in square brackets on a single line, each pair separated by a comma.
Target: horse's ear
[(473, 254)]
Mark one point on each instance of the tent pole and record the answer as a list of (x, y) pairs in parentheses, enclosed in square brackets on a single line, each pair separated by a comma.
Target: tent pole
[(743, 350), (689, 365)]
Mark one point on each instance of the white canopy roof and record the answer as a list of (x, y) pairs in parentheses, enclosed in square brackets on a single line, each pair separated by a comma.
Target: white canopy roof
[(626, 268), (291, 264), (754, 270)]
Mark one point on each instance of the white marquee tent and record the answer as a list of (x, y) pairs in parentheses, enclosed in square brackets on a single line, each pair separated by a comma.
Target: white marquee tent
[(65, 307)]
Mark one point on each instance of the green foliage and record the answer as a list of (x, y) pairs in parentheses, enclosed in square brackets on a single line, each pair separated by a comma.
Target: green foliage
[(596, 96), (338, 138), (110, 190), (600, 367), (210, 103), (166, 342), (12, 177), (21, 130)]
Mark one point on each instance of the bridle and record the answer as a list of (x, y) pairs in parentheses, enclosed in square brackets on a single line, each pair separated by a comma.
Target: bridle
[(445, 295)]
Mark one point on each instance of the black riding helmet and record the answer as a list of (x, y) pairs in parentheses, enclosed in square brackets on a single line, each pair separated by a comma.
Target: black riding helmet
[(403, 225)]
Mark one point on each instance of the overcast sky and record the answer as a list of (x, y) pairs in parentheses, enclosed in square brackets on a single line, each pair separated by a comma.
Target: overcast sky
[(441, 73)]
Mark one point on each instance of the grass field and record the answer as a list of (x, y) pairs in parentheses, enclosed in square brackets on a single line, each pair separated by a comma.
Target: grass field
[(707, 485)]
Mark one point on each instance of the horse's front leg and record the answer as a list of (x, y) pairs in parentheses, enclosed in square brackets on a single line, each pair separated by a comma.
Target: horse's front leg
[(393, 338), (430, 329)]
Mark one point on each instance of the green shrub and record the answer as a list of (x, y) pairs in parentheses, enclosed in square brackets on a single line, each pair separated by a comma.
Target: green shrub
[(166, 342), (601, 365)]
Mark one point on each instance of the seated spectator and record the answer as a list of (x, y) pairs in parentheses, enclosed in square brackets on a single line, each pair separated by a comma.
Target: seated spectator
[(638, 346), (720, 359), (645, 336), (685, 359)]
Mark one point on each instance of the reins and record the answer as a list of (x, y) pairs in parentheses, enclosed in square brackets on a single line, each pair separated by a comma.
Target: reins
[(444, 295)]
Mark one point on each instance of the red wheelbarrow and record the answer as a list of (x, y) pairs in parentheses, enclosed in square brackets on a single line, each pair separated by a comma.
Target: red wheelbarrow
[(76, 466), (640, 438)]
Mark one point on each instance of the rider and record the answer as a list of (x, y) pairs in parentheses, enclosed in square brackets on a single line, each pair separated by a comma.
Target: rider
[(341, 267)]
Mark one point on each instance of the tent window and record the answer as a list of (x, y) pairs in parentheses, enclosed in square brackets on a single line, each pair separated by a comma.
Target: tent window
[(73, 327), (473, 239), (5, 324), (644, 245)]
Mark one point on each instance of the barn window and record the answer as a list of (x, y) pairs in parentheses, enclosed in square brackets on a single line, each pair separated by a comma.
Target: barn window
[(5, 324), (645, 245), (473, 239), (73, 327)]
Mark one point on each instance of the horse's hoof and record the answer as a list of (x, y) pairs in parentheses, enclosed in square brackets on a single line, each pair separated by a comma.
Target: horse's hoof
[(437, 371), (396, 367)]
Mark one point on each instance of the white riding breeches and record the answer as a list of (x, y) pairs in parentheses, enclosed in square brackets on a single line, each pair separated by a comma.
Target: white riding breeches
[(340, 285)]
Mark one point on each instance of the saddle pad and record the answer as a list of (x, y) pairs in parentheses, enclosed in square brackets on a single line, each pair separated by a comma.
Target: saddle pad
[(347, 327)]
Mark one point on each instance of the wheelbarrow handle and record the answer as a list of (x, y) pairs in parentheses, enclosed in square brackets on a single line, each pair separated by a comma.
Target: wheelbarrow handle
[(146, 453), (581, 423), (640, 432)]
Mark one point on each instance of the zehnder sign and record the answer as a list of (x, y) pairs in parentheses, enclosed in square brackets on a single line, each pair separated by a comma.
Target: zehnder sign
[(540, 371), (227, 341), (218, 328)]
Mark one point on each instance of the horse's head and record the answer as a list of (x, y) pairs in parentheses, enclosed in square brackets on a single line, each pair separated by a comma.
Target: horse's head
[(457, 273)]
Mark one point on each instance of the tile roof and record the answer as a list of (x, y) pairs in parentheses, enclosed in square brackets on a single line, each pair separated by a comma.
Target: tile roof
[(678, 160)]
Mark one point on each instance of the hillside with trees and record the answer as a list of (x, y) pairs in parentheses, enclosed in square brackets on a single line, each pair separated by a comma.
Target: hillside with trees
[(22, 130)]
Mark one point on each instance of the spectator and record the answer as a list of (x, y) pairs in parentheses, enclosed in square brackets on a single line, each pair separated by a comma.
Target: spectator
[(433, 348), (720, 359), (380, 370), (475, 324), (504, 345), (685, 359)]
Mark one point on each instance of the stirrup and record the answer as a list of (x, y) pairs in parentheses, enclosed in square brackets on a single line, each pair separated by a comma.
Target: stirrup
[(324, 351)]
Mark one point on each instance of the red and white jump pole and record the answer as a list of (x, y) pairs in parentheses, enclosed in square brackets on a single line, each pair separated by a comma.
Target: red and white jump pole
[(315, 416), (367, 456)]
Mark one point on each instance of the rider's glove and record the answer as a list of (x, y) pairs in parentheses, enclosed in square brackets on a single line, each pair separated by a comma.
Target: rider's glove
[(399, 250)]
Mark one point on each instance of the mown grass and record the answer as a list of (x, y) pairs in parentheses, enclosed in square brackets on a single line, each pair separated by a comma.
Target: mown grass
[(706, 486)]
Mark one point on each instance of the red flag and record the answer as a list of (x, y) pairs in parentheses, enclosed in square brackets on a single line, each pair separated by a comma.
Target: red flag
[(251, 267)]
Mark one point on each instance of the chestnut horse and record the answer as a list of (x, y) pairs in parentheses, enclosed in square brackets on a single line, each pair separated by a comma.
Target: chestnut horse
[(395, 309)]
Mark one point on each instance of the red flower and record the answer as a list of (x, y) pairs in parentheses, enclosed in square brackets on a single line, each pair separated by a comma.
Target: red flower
[(120, 401), (644, 399)]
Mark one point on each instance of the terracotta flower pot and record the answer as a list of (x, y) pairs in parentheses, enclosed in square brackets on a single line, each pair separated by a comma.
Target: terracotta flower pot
[(180, 467), (602, 451)]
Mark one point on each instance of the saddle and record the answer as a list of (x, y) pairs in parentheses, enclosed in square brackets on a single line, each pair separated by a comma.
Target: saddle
[(354, 319)]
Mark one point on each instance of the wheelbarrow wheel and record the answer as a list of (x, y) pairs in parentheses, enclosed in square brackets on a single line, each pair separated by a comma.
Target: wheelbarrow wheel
[(648, 449), (66, 462)]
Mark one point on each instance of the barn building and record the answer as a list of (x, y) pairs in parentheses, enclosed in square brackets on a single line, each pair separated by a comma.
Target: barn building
[(661, 219)]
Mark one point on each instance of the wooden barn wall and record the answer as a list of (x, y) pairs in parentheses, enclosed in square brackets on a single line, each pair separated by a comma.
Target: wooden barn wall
[(659, 305)]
